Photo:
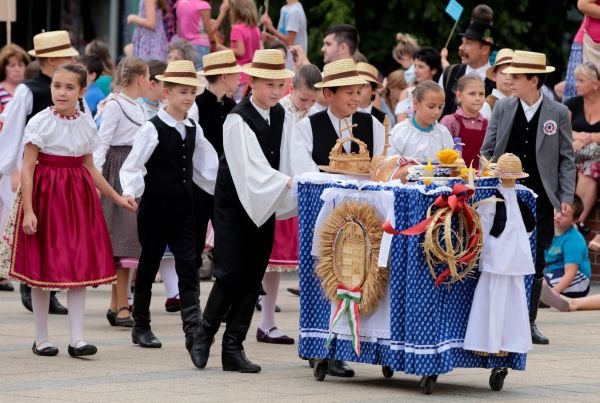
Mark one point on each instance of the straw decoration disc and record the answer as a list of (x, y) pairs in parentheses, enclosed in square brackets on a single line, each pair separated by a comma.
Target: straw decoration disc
[(349, 251)]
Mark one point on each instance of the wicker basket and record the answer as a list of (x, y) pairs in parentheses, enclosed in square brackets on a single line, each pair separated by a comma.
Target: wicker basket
[(341, 161)]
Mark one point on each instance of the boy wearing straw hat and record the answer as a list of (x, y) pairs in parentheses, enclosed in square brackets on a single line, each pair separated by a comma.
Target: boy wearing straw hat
[(342, 86), (169, 155), (223, 76), (253, 183), (52, 49), (369, 73), (496, 74), (538, 130)]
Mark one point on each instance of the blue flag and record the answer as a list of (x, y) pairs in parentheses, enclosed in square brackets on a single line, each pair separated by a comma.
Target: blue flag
[(454, 10)]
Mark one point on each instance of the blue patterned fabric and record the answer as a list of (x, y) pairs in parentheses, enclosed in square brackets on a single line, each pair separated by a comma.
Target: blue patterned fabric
[(428, 323)]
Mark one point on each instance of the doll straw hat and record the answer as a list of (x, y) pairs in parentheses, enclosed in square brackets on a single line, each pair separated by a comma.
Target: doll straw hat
[(53, 44), (269, 64), (181, 72), (222, 62), (508, 167), (504, 56), (340, 73), (528, 62), (369, 72)]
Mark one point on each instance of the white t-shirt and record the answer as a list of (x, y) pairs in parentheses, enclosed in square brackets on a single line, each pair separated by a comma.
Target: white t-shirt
[(293, 19)]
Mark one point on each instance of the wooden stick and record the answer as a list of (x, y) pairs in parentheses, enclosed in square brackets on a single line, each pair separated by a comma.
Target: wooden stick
[(451, 34), (386, 145)]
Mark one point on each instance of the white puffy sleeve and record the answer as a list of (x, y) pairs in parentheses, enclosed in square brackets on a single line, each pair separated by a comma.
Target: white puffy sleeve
[(134, 168), (259, 187), (303, 144), (205, 161), (397, 140), (14, 118), (38, 129), (109, 120)]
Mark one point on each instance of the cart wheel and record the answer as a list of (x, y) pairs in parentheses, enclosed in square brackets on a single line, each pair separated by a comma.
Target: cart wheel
[(387, 371), (497, 378), (427, 384), (320, 369)]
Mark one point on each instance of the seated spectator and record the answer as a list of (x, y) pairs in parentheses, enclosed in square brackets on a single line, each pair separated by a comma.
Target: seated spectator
[(180, 49), (568, 270)]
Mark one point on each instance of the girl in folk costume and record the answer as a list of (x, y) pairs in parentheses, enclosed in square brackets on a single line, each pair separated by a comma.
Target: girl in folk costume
[(284, 256), (118, 123), (467, 123), (59, 238), (421, 137), (499, 318), (253, 183)]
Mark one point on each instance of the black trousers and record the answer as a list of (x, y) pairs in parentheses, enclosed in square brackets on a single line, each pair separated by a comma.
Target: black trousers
[(163, 222), (203, 212), (545, 231)]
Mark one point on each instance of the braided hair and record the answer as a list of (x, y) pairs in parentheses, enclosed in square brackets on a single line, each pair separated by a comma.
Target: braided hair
[(81, 72)]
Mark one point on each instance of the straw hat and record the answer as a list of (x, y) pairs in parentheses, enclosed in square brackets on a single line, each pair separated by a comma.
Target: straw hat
[(268, 63), (222, 62), (369, 72), (53, 44), (508, 167), (340, 73), (528, 62), (504, 56), (181, 72)]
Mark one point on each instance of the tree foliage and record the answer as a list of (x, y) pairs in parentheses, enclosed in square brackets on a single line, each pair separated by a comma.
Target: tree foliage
[(540, 25)]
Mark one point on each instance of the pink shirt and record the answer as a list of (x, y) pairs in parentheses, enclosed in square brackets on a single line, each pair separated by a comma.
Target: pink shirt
[(189, 21), (250, 36)]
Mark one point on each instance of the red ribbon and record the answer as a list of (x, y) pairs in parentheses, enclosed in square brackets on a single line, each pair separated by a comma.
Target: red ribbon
[(457, 202)]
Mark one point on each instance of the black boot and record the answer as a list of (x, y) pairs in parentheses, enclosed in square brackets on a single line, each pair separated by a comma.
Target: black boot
[(56, 307), (216, 308), (191, 317), (26, 296), (233, 357), (536, 292), (141, 333), (339, 368)]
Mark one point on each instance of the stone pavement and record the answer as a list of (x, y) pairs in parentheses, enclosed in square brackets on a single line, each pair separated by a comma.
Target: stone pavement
[(566, 370)]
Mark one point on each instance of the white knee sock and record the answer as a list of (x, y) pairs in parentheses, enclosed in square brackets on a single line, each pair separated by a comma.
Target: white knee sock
[(169, 277), (76, 305), (270, 284), (40, 300), (131, 272)]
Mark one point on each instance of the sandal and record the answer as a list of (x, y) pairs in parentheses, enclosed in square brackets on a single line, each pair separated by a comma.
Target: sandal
[(594, 244), (123, 322)]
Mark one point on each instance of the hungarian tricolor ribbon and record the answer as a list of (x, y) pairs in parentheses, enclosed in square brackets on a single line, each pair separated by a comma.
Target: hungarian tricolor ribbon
[(348, 301)]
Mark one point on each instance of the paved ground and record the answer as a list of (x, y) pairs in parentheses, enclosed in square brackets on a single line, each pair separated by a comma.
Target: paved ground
[(566, 370)]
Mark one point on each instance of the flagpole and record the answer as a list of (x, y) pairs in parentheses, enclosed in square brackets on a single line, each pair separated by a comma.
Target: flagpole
[(451, 34)]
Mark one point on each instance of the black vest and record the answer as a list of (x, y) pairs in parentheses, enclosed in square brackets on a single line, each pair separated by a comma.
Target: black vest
[(40, 89), (456, 71), (522, 143), (268, 136), (211, 116), (378, 114), (325, 136), (170, 166)]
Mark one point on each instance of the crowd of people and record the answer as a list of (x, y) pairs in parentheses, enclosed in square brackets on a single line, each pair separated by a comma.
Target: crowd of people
[(204, 141)]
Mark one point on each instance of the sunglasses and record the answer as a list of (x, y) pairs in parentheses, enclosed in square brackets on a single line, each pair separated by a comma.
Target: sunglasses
[(593, 67)]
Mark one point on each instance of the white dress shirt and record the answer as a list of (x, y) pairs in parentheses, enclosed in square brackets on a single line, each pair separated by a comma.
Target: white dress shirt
[(204, 159), (481, 72), (116, 129), (531, 110), (486, 109)]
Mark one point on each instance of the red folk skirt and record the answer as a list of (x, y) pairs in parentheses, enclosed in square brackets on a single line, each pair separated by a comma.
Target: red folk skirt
[(284, 256), (71, 247)]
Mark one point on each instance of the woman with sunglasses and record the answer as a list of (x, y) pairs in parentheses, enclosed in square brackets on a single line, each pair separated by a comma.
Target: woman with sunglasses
[(584, 110)]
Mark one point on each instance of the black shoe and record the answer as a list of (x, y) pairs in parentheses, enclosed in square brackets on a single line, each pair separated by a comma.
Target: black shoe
[(233, 356), (26, 296), (123, 322), (6, 285), (295, 291), (238, 362), (111, 316), (339, 368), (55, 307), (144, 338), (536, 336), (49, 351), (88, 349)]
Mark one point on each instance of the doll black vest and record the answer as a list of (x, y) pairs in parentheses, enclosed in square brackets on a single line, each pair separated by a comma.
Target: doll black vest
[(40, 89), (325, 136), (170, 166)]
